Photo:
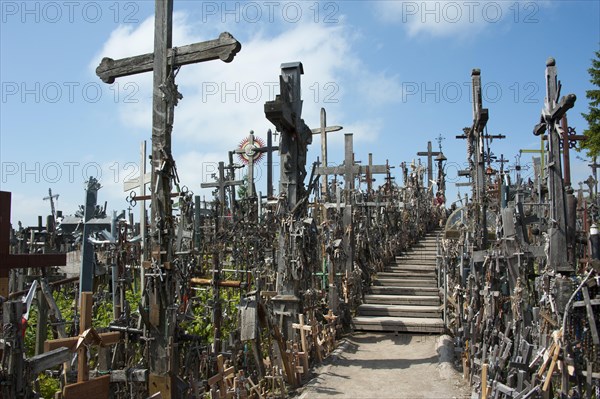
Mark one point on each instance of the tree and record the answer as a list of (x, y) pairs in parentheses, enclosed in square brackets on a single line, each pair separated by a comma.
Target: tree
[(592, 144)]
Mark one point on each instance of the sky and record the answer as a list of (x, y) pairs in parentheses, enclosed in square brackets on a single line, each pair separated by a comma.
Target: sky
[(396, 74)]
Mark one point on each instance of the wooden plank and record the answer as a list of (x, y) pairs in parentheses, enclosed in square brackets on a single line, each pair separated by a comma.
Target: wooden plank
[(108, 338), (224, 48), (85, 322), (160, 384), (551, 369), (39, 363), (98, 388), (484, 382)]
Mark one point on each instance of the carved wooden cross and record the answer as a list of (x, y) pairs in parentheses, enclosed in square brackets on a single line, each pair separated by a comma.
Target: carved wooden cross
[(323, 130), (23, 261)]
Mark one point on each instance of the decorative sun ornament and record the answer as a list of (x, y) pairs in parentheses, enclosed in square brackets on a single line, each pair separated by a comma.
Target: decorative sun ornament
[(248, 149)]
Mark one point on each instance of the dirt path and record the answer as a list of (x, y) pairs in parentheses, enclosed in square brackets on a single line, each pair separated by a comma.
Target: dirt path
[(373, 365)]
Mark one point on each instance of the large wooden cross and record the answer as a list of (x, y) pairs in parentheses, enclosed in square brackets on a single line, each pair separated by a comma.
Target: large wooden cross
[(23, 261), (429, 154), (552, 114), (164, 62), (323, 130)]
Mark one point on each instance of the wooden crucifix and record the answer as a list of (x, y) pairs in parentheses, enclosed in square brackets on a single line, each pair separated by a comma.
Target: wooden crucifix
[(323, 130), (23, 261), (429, 154), (552, 114), (164, 63)]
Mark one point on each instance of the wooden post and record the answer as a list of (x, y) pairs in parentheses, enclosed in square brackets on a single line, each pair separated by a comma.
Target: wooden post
[(484, 381), (85, 322), (42, 323)]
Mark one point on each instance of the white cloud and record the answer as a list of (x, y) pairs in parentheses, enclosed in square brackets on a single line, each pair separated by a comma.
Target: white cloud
[(451, 18)]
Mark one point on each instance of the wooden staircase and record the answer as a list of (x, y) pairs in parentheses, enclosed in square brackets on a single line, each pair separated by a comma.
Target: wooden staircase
[(405, 298)]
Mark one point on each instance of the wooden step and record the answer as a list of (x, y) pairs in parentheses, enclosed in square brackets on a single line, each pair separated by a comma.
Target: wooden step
[(391, 290), (405, 282), (423, 257), (424, 262), (420, 259), (407, 275), (412, 266), (415, 274), (424, 300), (371, 309), (398, 324)]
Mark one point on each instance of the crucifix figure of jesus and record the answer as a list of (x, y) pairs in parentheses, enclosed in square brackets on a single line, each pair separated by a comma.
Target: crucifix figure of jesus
[(164, 62)]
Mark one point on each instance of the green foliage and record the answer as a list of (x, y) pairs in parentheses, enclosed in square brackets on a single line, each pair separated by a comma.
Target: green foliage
[(592, 144), (48, 386)]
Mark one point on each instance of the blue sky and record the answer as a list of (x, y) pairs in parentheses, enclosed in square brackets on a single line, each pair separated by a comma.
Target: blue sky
[(396, 74)]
